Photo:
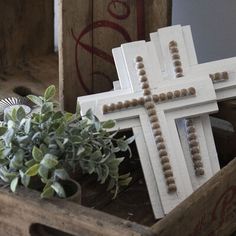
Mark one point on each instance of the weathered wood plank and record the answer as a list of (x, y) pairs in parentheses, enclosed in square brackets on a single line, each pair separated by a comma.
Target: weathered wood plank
[(19, 212), (88, 32), (74, 17), (211, 210), (33, 77), (26, 30), (158, 14)]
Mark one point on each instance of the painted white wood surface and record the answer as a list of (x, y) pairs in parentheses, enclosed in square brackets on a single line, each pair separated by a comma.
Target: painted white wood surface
[(168, 112), (171, 114), (224, 89), (188, 58)]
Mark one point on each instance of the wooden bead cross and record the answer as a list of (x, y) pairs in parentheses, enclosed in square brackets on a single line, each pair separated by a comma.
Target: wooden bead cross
[(148, 102)]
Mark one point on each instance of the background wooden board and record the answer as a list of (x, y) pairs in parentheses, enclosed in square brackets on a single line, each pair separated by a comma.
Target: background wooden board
[(90, 29), (26, 30)]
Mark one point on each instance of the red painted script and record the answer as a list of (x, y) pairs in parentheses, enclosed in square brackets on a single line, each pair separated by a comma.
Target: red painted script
[(112, 7)]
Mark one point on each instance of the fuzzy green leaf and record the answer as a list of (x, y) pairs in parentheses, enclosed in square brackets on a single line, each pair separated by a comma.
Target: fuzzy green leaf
[(47, 193), (50, 161), (111, 184), (43, 148), (61, 173), (25, 179), (43, 172), (2, 155), (104, 173), (8, 136), (3, 130), (23, 139), (125, 176), (130, 140), (108, 124), (50, 93), (80, 150), (36, 100), (59, 189), (17, 160), (96, 156), (78, 110), (30, 163), (123, 145), (89, 114), (125, 182), (68, 117), (47, 107), (20, 114), (57, 115), (60, 130), (37, 154), (13, 114), (60, 145), (27, 125), (14, 184), (33, 170)]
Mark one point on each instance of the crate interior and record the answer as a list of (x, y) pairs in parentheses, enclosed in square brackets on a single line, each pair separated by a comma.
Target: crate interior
[(28, 63)]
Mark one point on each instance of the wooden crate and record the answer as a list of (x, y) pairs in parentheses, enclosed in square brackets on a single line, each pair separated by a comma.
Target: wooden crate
[(211, 210), (27, 59)]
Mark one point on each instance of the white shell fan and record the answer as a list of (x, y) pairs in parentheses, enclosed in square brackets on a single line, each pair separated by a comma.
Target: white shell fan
[(7, 104)]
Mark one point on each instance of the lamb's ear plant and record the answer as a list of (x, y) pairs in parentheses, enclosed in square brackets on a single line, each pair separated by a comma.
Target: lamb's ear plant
[(50, 144)]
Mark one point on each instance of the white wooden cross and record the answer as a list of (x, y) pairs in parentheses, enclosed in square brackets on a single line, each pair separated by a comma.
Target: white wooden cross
[(155, 109), (173, 44), (179, 61)]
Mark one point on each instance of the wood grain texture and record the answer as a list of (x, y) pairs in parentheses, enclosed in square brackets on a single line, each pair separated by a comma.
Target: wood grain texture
[(19, 212), (73, 17), (211, 210), (26, 30), (158, 14), (31, 77), (208, 211), (88, 32)]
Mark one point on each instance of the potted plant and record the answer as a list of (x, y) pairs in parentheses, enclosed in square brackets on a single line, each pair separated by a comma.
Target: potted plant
[(42, 150)]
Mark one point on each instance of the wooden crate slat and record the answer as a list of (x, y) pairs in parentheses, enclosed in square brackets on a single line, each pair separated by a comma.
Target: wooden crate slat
[(19, 212), (211, 210)]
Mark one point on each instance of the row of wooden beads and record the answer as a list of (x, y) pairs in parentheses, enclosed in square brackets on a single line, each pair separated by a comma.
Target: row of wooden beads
[(219, 76), (175, 94), (194, 148), (173, 47), (157, 98), (161, 147), (142, 76), (150, 107), (192, 137), (122, 105)]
